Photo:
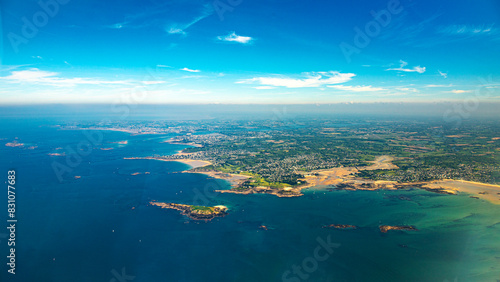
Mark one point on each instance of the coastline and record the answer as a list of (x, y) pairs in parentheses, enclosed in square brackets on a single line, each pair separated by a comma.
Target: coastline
[(191, 162), (234, 179), (485, 191), (343, 179)]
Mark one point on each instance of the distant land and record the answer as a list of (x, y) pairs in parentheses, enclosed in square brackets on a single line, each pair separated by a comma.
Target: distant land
[(288, 157)]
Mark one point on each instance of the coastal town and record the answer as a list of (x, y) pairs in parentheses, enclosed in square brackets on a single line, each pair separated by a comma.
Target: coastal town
[(283, 159)]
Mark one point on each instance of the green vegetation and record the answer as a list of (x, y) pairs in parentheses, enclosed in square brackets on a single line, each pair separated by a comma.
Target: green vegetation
[(202, 208), (257, 181), (277, 155)]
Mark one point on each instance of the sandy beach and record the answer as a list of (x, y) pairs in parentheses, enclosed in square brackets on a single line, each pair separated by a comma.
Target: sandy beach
[(192, 163), (326, 177), (335, 176), (234, 179), (484, 191)]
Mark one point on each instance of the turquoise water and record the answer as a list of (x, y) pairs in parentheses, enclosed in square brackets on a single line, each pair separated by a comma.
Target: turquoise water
[(89, 229)]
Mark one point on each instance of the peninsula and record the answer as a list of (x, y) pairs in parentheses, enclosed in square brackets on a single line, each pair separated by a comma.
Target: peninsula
[(191, 162), (346, 155)]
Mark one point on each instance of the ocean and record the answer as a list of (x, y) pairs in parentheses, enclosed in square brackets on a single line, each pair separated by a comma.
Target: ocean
[(93, 222)]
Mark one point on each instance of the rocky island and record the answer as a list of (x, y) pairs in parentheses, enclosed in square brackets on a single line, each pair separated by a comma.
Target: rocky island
[(340, 226), (385, 228), (14, 143), (195, 212)]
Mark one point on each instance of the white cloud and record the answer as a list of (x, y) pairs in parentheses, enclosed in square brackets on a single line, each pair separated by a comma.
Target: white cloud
[(264, 87), (407, 89), (151, 82), (367, 88), (443, 74), (439, 85), (315, 79), (190, 70), (31, 75), (403, 64), (191, 77), (459, 91), (36, 76), (233, 37), (175, 30), (466, 29)]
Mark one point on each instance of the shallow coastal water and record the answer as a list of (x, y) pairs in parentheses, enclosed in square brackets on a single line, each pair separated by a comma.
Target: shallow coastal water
[(84, 229)]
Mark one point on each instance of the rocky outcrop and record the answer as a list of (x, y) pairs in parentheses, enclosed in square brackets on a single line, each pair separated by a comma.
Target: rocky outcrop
[(195, 212), (385, 228)]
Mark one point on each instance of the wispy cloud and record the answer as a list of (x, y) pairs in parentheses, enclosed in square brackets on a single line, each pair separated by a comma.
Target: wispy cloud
[(37, 76), (405, 31), (466, 29), (367, 88), (170, 15), (117, 25), (443, 74), (438, 85), (264, 87), (152, 82), (150, 17), (233, 37), (453, 34), (315, 79), (175, 29), (189, 70), (407, 89), (402, 66), (180, 28)]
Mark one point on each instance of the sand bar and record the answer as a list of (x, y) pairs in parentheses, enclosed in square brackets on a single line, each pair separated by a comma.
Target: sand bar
[(192, 163)]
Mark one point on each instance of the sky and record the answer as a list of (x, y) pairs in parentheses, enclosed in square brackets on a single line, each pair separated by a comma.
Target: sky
[(248, 52)]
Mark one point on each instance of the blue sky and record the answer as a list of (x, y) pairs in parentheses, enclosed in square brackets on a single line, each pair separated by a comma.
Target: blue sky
[(241, 51)]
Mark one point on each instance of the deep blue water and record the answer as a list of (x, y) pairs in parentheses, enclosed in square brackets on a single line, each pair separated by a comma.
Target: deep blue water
[(92, 227)]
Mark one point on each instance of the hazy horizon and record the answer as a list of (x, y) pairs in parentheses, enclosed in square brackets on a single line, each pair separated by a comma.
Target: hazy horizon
[(450, 113)]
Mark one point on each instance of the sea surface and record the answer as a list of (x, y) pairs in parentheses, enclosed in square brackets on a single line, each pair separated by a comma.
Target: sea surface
[(93, 222)]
